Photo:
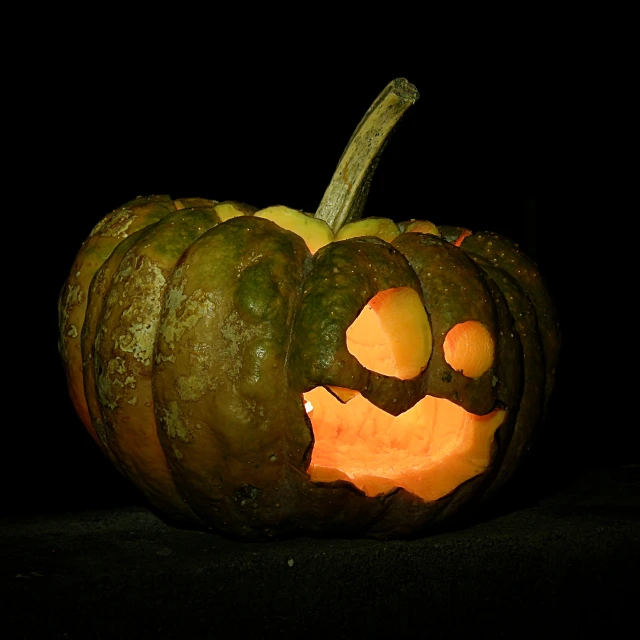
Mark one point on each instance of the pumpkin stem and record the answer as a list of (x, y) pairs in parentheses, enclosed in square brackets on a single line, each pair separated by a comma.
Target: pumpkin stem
[(345, 197)]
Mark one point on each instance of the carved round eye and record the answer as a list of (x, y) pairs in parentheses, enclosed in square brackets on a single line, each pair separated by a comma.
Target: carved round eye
[(392, 335), (469, 348)]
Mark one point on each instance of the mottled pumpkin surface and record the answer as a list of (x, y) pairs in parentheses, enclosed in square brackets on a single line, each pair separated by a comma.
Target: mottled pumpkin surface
[(191, 329)]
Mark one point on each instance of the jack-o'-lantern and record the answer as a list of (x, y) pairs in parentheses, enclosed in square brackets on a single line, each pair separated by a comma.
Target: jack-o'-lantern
[(268, 372)]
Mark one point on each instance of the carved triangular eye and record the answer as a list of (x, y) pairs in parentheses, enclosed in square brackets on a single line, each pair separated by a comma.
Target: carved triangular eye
[(469, 348), (392, 335)]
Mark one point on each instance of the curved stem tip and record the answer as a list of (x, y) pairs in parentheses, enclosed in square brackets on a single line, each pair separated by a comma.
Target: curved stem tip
[(345, 197)]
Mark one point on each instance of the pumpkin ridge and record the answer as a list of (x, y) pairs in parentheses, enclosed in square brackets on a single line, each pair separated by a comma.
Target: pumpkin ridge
[(125, 352), (506, 254), (227, 445), (98, 292), (531, 397), (72, 301), (454, 292)]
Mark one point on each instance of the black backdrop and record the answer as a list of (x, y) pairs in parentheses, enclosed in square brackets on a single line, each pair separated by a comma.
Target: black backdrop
[(491, 144)]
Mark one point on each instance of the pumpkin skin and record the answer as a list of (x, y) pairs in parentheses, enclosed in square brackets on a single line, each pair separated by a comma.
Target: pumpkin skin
[(268, 373), (189, 338)]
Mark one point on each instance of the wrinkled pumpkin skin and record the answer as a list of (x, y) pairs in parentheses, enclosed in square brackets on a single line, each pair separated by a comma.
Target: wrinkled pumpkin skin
[(188, 341)]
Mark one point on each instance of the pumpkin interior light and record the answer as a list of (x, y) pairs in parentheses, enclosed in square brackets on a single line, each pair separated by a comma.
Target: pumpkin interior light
[(272, 372), (392, 334), (429, 449), (469, 348)]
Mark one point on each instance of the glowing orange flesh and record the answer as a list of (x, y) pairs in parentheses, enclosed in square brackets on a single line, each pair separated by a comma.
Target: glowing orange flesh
[(469, 348), (429, 450), (392, 335)]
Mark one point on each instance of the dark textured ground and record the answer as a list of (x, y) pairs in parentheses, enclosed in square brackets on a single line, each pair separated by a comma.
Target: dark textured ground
[(565, 567)]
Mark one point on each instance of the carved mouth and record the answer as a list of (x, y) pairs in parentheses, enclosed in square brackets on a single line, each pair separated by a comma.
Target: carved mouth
[(428, 450)]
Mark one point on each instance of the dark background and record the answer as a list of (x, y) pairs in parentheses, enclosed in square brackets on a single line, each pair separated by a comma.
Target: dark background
[(493, 143)]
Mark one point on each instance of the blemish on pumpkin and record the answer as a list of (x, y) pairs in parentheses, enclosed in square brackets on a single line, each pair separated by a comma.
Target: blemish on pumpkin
[(183, 313), (115, 226), (139, 320), (110, 383), (71, 298), (247, 494), (173, 422), (194, 385), (236, 333)]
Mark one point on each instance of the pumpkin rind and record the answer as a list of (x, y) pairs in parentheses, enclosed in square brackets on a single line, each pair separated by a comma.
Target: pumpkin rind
[(345, 275), (508, 256), (529, 399), (454, 292), (191, 330), (235, 435), (244, 321), (124, 349), (106, 235), (98, 292)]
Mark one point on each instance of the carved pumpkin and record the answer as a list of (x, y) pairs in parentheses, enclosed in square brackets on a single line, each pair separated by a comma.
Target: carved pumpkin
[(270, 372)]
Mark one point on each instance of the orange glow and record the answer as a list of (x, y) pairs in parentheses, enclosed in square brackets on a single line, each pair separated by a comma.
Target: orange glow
[(428, 450), (469, 348), (422, 226), (392, 335), (344, 395), (465, 234)]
